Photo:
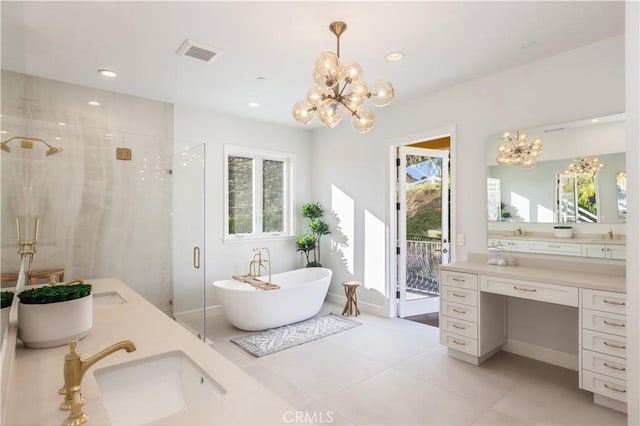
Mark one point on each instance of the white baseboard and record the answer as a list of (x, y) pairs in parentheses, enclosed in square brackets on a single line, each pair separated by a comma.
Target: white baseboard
[(540, 353), (340, 299)]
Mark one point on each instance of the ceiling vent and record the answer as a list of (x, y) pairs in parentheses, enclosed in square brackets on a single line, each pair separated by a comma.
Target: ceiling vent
[(198, 51)]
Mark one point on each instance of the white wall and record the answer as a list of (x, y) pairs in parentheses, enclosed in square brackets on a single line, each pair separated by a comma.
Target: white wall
[(193, 127), (632, 55)]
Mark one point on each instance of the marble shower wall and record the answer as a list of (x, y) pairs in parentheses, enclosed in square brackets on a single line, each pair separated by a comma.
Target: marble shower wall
[(99, 216)]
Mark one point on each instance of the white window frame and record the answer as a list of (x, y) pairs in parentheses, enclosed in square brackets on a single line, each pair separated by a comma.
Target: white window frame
[(258, 156)]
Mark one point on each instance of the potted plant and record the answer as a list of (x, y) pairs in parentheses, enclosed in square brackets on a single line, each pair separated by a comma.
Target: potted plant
[(5, 304), (310, 242), (53, 315)]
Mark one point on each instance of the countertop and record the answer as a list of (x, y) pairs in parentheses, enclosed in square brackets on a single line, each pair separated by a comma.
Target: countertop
[(37, 373), (577, 239), (572, 278)]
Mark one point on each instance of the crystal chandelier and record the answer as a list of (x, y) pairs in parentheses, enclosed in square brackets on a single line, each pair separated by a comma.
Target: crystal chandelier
[(339, 90), (584, 166), (517, 150)]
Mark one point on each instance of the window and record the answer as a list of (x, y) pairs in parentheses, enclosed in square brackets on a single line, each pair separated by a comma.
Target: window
[(258, 193)]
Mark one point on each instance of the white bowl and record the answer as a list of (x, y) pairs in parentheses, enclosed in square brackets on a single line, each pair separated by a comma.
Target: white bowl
[(562, 232)]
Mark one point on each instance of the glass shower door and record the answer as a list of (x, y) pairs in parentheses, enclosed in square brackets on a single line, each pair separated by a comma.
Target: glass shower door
[(189, 287)]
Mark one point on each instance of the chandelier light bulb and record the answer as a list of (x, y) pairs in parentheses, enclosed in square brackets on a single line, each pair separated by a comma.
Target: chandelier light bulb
[(303, 112), (362, 121), (330, 112), (340, 90), (381, 93)]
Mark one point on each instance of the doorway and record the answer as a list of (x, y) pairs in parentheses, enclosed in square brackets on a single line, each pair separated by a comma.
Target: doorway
[(422, 190)]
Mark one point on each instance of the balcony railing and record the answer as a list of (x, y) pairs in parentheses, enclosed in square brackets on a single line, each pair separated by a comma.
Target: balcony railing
[(423, 259)]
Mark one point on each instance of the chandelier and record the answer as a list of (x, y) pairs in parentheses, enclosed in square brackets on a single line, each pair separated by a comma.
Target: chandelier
[(584, 166), (339, 91), (518, 150)]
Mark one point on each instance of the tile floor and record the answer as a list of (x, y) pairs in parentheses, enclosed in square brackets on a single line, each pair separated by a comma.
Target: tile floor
[(394, 372)]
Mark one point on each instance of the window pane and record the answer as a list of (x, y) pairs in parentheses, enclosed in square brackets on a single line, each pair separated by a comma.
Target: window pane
[(240, 195), (273, 196)]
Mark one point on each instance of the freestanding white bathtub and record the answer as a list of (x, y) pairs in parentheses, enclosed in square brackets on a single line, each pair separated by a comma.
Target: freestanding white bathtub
[(300, 296)]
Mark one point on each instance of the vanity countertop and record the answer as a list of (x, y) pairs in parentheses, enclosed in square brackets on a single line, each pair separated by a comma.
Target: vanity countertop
[(586, 239), (37, 373), (572, 278)]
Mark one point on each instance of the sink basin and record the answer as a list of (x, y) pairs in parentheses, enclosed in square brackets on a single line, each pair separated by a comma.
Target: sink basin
[(144, 390), (108, 298)]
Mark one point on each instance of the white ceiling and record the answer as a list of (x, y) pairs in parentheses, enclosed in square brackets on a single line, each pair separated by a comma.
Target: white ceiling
[(445, 43)]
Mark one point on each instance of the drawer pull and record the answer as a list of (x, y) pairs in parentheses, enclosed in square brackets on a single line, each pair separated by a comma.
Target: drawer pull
[(611, 302), (553, 246), (459, 295), (458, 342), (458, 280), (613, 345), (459, 311), (459, 327), (515, 287), (613, 367), (613, 324), (613, 388)]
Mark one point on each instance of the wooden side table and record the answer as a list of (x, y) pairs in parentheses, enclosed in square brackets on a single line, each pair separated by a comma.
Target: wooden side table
[(351, 308)]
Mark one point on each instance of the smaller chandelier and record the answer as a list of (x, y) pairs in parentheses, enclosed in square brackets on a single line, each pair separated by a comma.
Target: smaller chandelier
[(517, 150), (339, 90), (584, 166)]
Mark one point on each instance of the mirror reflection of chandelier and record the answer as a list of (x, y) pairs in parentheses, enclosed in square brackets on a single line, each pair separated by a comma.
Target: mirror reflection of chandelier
[(584, 166), (518, 150), (339, 90)]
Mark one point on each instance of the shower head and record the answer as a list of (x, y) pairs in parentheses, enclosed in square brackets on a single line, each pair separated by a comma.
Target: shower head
[(27, 142)]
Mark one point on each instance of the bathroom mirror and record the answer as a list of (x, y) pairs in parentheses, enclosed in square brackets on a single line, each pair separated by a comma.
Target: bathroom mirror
[(545, 194)]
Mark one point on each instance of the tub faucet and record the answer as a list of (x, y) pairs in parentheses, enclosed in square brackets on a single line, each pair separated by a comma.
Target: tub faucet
[(75, 367), (258, 262)]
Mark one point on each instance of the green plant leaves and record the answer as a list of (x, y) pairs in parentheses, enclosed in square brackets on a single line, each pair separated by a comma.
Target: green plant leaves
[(6, 299), (55, 294)]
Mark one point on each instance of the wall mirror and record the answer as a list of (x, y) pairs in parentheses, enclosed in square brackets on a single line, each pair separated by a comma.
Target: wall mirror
[(549, 192)]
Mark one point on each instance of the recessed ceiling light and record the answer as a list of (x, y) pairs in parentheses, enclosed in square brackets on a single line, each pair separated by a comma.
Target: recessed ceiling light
[(395, 56), (108, 73), (62, 123), (4, 132), (254, 104), (58, 138), (94, 103), (594, 120), (261, 78)]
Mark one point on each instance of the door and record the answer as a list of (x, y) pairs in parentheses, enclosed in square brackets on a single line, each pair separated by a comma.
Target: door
[(423, 227), (189, 287)]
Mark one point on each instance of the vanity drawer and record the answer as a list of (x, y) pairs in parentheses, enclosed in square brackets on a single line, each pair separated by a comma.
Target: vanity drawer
[(604, 385), (551, 293), (459, 295), (606, 301), (604, 364), (555, 248), (605, 322), (458, 326), (462, 344), (605, 343), (457, 310), (459, 279)]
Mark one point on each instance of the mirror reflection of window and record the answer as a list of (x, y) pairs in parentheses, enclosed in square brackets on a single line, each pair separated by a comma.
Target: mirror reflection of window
[(621, 195), (577, 198), (493, 199)]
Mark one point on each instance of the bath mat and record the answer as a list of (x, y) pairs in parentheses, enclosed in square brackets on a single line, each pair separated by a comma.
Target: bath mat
[(276, 339)]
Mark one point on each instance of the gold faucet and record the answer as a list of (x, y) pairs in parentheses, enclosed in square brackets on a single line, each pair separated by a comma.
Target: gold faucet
[(256, 265), (610, 233), (518, 231), (75, 367)]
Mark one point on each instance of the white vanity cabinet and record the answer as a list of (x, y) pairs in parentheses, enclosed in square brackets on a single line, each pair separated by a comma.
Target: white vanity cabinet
[(605, 251), (604, 343), (547, 247), (472, 324)]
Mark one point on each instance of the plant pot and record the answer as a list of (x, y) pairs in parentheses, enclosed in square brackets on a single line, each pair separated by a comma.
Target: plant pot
[(55, 324)]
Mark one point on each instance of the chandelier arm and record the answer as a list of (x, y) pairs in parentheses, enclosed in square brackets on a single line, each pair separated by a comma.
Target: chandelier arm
[(349, 109)]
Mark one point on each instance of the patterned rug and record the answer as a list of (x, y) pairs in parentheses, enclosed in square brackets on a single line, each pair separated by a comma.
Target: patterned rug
[(276, 339)]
